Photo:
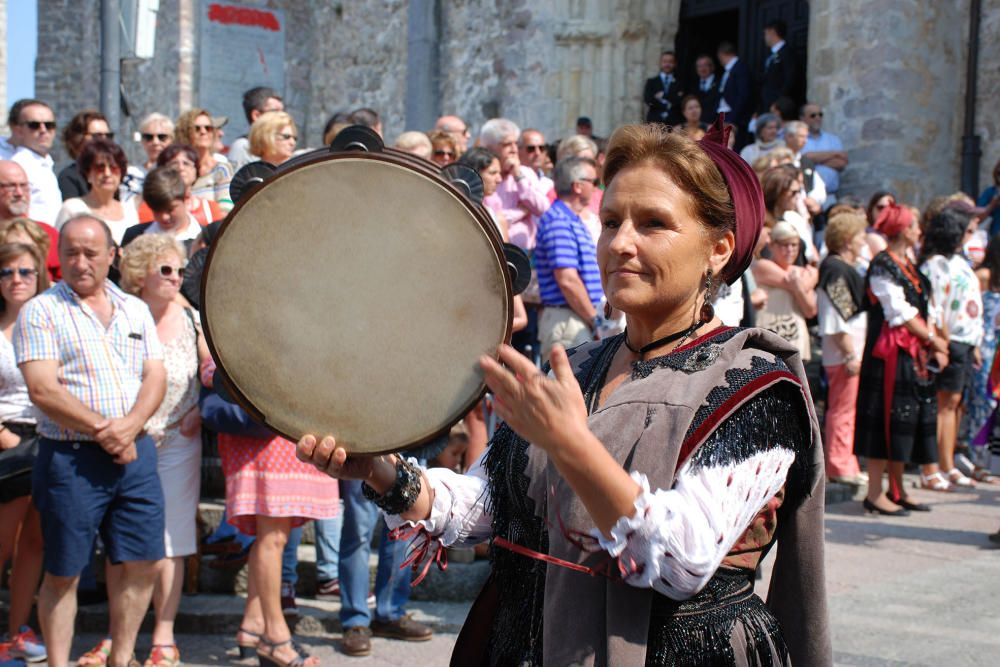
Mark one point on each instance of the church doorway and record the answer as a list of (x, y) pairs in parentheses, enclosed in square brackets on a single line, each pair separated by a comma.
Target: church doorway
[(706, 23)]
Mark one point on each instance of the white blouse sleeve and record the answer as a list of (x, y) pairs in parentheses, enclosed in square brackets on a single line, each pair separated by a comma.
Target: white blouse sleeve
[(458, 513), (677, 538), (890, 296)]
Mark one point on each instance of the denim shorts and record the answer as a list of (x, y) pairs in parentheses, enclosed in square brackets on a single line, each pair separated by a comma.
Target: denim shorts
[(80, 491)]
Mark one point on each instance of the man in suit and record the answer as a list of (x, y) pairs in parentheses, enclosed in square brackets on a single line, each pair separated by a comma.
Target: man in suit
[(734, 92), (663, 93), (708, 87), (780, 70)]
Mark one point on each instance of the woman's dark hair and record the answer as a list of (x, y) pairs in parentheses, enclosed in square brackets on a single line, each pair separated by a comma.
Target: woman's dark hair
[(173, 150), (870, 209), (991, 261), (478, 158), (786, 108), (162, 187), (74, 135), (944, 234), (97, 151), (775, 182)]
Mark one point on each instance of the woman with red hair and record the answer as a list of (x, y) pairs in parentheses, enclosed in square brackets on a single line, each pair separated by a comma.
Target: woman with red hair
[(897, 412)]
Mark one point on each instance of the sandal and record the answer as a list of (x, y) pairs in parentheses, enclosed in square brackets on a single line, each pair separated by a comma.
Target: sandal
[(934, 482), (301, 659), (981, 474), (247, 649), (97, 656), (158, 656), (956, 477)]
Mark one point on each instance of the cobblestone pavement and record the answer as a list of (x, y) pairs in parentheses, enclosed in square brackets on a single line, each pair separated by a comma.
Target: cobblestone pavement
[(916, 591)]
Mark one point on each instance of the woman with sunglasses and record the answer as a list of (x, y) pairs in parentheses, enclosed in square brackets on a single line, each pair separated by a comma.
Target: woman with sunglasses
[(444, 149), (104, 164), (86, 125), (184, 159), (156, 132), (195, 128), (273, 137), (22, 276), (152, 268)]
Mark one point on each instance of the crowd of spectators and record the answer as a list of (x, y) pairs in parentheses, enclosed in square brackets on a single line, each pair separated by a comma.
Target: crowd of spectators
[(107, 388)]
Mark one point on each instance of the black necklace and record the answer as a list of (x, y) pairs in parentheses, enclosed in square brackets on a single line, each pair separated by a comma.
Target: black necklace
[(663, 341)]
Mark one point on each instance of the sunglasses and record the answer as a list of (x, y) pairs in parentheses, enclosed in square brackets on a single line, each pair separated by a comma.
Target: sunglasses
[(166, 271), (818, 114), (102, 135), (535, 149), (146, 136), (36, 125), (444, 153), (284, 136), (203, 128), (6, 274)]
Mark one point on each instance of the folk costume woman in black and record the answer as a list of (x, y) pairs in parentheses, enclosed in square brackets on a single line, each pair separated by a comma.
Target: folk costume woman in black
[(897, 412), (667, 460)]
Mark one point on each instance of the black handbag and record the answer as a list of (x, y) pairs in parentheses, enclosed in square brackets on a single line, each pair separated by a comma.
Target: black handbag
[(20, 459)]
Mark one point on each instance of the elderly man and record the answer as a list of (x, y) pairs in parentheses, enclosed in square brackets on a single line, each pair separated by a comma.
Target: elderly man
[(15, 200), (569, 280), (520, 197), (825, 150), (256, 101), (796, 134), (457, 128), (531, 150), (93, 364), (32, 132)]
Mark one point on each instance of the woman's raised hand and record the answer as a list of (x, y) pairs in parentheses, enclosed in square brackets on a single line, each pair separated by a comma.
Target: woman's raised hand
[(545, 411), (327, 457)]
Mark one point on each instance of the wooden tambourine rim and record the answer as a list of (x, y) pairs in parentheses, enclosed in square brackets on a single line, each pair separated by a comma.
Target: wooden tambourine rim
[(307, 160)]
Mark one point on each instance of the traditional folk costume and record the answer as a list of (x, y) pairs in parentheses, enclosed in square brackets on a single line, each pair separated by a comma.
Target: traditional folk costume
[(897, 408), (721, 436)]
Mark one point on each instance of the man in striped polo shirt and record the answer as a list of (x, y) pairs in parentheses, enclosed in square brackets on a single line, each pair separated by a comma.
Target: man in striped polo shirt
[(93, 364), (568, 278)]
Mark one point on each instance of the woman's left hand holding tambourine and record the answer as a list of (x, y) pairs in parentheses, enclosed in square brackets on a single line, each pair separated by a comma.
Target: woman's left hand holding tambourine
[(546, 411)]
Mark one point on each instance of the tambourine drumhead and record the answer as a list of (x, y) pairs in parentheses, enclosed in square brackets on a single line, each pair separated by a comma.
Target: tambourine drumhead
[(352, 296)]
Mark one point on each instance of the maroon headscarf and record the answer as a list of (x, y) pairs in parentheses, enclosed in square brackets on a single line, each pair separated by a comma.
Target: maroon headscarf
[(744, 188), (894, 220)]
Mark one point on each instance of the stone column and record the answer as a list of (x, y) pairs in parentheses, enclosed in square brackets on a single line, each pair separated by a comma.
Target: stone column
[(987, 120), (892, 83)]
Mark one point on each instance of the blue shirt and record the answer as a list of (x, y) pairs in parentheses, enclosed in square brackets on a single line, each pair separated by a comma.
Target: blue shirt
[(825, 142), (564, 242), (984, 200)]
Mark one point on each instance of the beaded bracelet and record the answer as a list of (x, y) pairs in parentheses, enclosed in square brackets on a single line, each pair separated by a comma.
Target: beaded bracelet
[(402, 494)]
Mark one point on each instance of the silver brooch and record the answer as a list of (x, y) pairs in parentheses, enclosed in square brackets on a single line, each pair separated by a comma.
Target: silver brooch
[(701, 359)]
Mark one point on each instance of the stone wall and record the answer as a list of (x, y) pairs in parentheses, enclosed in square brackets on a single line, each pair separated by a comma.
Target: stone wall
[(988, 90)]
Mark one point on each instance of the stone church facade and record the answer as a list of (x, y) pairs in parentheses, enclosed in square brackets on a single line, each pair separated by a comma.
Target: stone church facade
[(889, 73)]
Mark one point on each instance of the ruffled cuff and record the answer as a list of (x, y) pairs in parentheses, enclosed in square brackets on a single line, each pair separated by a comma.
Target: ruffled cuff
[(626, 526)]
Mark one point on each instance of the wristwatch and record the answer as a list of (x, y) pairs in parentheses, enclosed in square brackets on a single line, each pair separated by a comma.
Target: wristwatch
[(930, 337)]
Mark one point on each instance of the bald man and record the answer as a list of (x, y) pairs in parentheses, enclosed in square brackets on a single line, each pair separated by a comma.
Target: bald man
[(15, 201), (457, 128)]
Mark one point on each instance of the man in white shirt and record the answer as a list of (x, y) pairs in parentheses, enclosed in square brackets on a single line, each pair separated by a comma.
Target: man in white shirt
[(796, 134), (531, 149), (32, 131)]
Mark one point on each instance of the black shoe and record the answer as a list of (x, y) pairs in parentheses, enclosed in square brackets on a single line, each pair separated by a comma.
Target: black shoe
[(871, 508), (913, 507)]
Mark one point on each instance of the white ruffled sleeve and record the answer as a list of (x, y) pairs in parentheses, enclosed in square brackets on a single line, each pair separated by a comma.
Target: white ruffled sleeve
[(677, 538), (458, 514), (891, 297)]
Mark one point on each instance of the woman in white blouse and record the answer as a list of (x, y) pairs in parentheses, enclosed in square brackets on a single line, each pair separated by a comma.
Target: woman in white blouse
[(103, 164), (955, 289)]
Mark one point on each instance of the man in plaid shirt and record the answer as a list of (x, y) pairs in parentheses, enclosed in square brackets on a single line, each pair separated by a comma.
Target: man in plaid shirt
[(93, 364)]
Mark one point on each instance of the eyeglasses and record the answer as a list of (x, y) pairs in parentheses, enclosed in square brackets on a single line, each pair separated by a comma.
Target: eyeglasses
[(540, 148), (166, 271), (36, 125), (444, 153), (592, 181), (284, 136), (7, 274), (203, 128), (818, 114), (147, 136), (10, 187), (101, 135)]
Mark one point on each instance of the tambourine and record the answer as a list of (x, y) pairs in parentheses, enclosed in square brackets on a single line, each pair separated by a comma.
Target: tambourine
[(351, 291)]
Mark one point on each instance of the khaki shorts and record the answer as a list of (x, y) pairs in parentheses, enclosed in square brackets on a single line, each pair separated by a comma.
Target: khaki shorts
[(562, 326)]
